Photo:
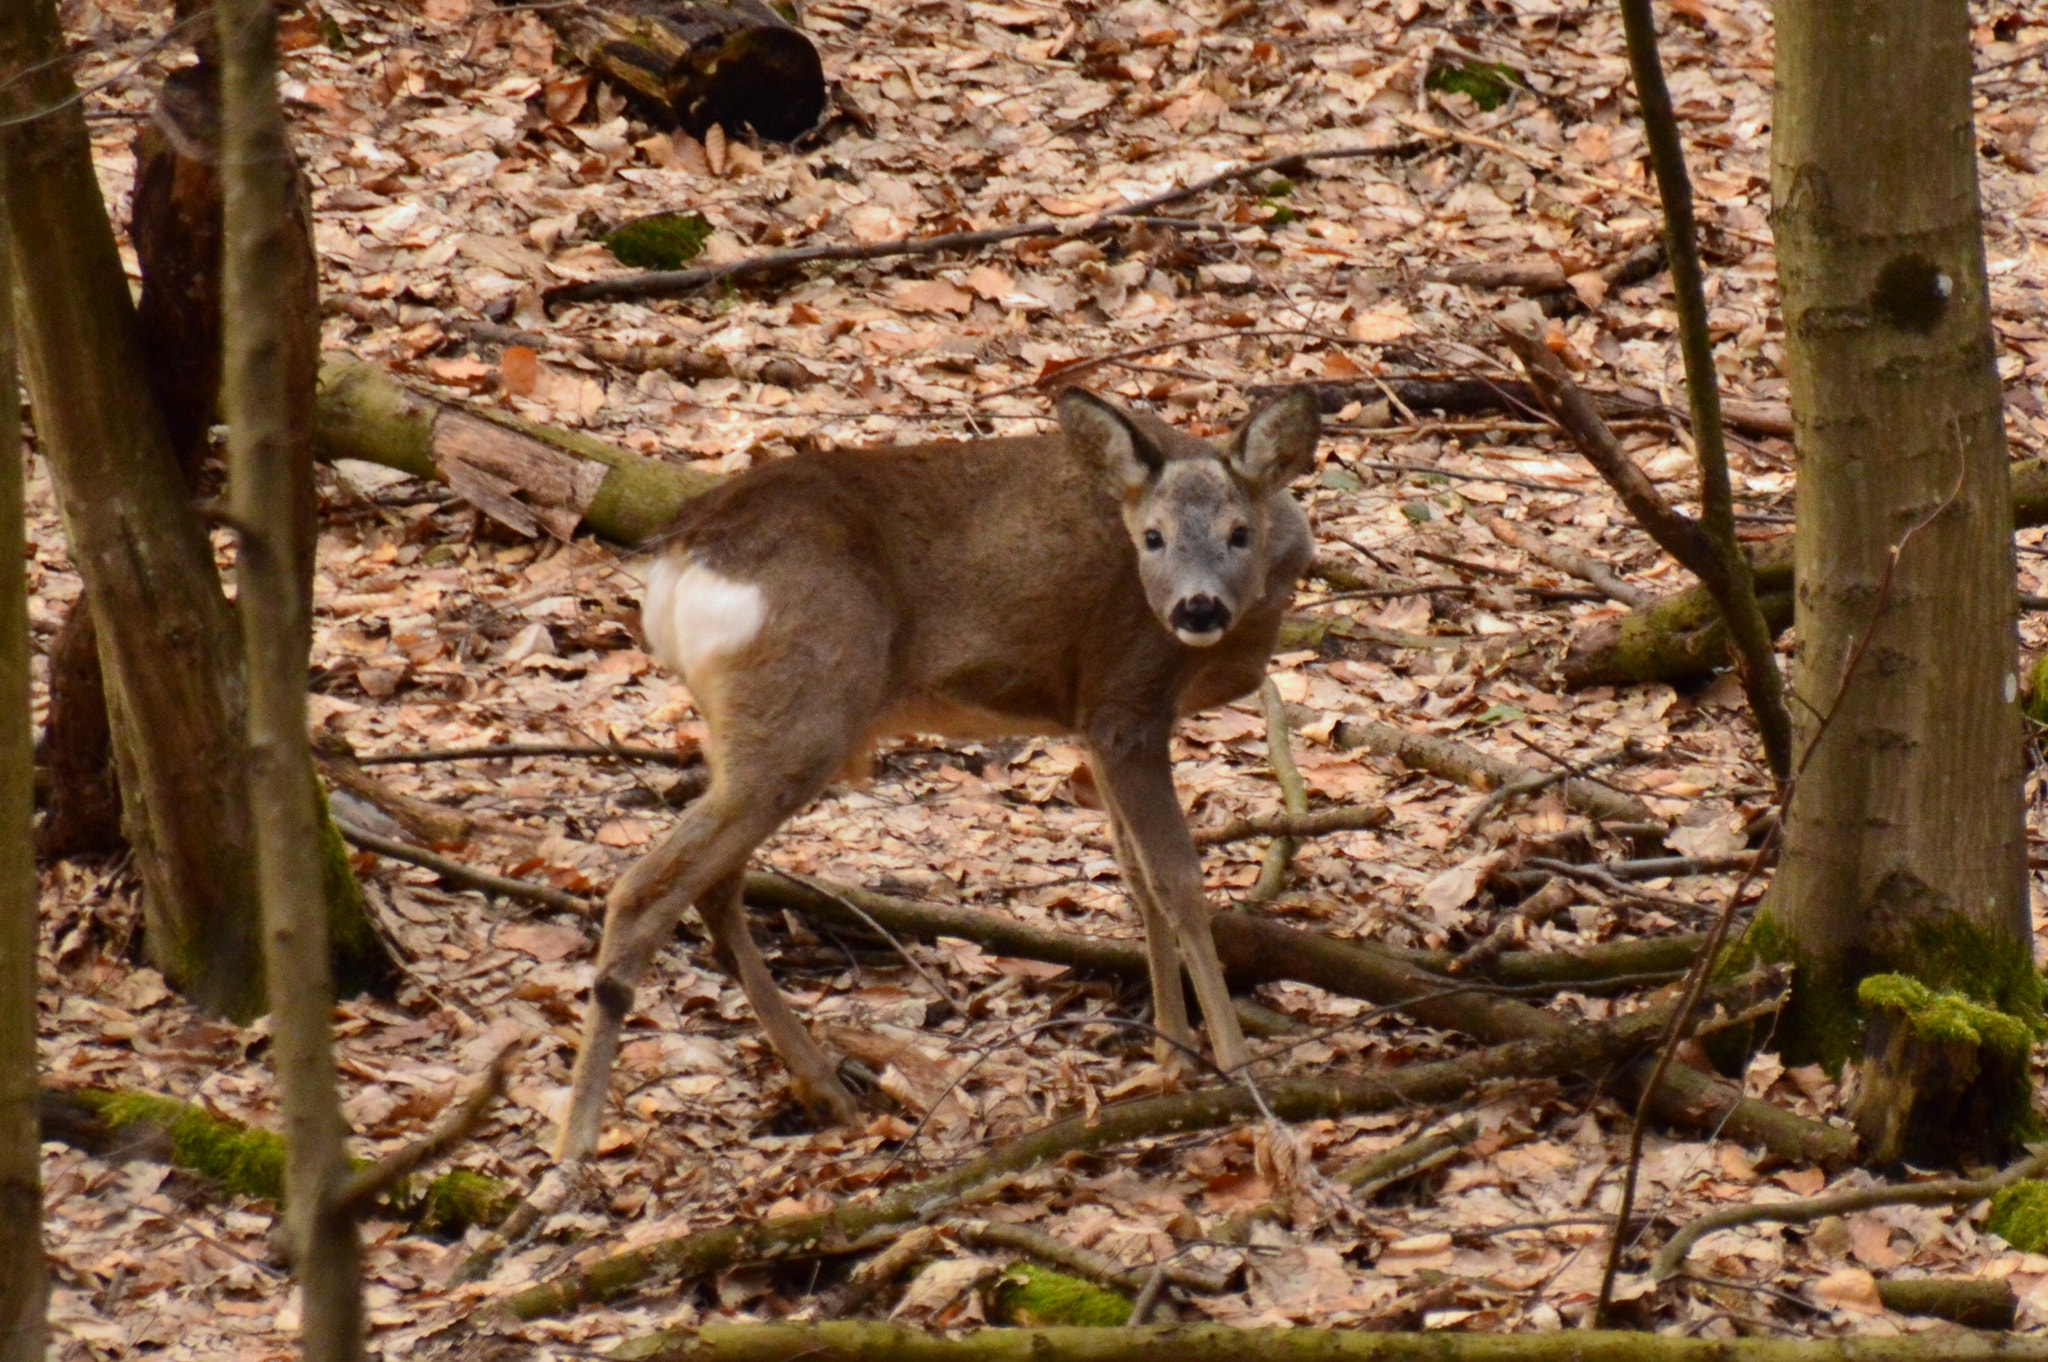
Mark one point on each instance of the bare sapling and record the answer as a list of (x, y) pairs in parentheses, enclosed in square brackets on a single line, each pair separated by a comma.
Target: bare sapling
[(1100, 582)]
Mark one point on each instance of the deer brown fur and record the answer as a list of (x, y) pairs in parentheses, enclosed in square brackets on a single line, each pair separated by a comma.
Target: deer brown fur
[(1101, 582)]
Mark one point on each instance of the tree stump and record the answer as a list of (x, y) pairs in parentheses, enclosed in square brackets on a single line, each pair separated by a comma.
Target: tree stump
[(695, 63), (1943, 1079)]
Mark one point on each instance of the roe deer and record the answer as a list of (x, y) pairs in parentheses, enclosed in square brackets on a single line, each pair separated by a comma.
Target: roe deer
[(1102, 582)]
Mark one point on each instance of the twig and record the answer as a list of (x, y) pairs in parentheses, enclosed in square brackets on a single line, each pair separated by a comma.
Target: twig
[(1735, 593), (1569, 561), (1546, 903), (874, 1276), (673, 283), (1946, 1192), (1280, 854), (457, 873), (1082, 1262), (1345, 818), (1369, 1177), (367, 1184)]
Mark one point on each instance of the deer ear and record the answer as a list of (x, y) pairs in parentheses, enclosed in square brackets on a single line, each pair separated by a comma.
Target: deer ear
[(1102, 436), (1278, 443)]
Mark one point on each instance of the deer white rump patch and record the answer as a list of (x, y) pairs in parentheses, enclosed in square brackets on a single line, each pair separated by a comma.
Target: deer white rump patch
[(692, 614)]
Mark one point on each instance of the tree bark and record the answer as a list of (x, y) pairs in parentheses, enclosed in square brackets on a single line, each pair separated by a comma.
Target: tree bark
[(24, 1282), (1904, 846), (166, 637), (267, 375)]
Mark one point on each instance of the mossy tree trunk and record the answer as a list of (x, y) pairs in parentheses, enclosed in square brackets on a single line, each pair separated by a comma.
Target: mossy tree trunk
[(167, 639), (169, 648), (23, 1277), (1904, 846)]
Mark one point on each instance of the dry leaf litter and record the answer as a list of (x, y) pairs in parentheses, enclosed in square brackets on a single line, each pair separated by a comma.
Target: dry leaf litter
[(458, 170)]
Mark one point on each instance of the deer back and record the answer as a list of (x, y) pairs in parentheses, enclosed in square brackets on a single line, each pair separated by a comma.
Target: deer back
[(996, 586)]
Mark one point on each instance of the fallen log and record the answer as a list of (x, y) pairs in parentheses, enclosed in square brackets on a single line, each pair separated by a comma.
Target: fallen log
[(531, 477), (693, 64), (1574, 1049), (866, 1341)]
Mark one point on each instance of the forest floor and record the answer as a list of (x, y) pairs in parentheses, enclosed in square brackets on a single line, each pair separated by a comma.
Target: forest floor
[(457, 169)]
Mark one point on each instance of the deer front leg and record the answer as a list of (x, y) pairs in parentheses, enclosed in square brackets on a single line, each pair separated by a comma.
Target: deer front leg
[(1162, 956), (812, 1075), (1136, 771)]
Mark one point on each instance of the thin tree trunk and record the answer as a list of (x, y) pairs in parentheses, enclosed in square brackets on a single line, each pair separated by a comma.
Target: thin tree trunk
[(266, 396), (23, 1277), (1904, 842), (167, 638)]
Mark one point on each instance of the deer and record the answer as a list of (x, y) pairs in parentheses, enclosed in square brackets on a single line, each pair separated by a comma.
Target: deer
[(1099, 582)]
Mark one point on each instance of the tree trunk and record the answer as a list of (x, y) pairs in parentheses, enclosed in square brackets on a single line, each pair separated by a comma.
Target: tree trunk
[(23, 1277), (268, 370), (166, 637), (1904, 840)]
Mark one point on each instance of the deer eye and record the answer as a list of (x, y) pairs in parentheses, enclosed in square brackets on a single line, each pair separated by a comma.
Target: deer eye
[(1154, 540), (1241, 537)]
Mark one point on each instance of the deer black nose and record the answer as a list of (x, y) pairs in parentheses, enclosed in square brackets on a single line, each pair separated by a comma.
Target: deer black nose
[(1200, 615)]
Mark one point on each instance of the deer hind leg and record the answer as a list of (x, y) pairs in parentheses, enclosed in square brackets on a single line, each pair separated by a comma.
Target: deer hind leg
[(812, 1074), (1162, 955), (1136, 772), (756, 785)]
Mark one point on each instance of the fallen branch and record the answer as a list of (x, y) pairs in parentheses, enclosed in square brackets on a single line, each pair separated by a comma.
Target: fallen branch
[(1553, 898), (1946, 1192), (1372, 1176), (455, 872), (876, 1341), (533, 477), (1569, 561), (373, 1181), (1589, 1048), (1708, 550), (1344, 818), (1466, 765), (674, 283), (243, 1160), (1293, 793)]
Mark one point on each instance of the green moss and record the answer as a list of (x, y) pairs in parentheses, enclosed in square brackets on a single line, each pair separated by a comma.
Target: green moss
[(1949, 956), (1489, 84), (1944, 1016), (243, 1160), (246, 1161), (1034, 1297), (2034, 693), (2019, 1215), (456, 1200), (665, 241)]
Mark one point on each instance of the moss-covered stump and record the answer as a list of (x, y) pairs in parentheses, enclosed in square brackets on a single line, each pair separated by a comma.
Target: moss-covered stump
[(1036, 1297), (2019, 1215), (1943, 1079), (245, 1161)]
